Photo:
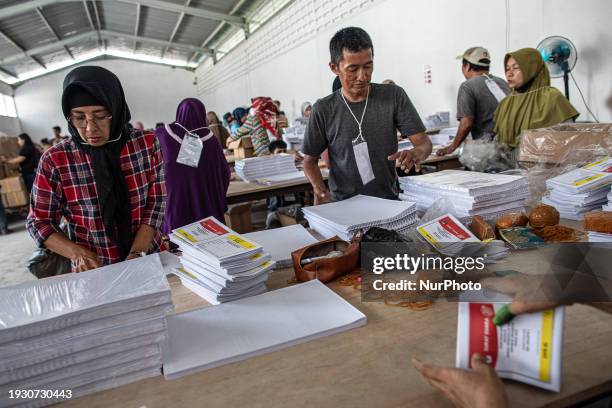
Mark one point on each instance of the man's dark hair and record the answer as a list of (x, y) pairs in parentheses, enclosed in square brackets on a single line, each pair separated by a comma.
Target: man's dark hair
[(475, 67), (57, 128), (276, 144), (353, 39)]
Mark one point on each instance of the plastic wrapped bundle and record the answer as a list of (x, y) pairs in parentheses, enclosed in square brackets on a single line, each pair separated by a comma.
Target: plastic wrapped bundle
[(83, 332)]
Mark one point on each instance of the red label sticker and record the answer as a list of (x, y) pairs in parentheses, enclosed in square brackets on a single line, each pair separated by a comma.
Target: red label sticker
[(451, 226), (483, 333), (213, 227)]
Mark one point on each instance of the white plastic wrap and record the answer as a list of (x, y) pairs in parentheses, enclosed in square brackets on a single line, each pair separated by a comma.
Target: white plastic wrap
[(83, 332), (38, 307)]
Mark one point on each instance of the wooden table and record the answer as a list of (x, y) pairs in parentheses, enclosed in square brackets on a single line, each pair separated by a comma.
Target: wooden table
[(240, 191), (365, 367)]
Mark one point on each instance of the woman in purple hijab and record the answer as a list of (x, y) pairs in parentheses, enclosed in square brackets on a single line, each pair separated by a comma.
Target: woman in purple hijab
[(194, 190)]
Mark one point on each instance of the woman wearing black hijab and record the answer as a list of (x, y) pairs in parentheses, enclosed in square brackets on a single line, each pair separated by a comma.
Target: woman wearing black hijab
[(106, 179)]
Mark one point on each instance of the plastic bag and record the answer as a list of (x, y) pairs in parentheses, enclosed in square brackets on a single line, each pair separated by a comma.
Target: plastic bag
[(45, 263), (484, 155)]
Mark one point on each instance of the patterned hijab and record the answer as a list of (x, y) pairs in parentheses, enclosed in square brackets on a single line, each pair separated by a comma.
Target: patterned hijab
[(266, 111)]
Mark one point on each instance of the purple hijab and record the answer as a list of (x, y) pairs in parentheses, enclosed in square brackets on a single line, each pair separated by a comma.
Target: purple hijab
[(192, 193)]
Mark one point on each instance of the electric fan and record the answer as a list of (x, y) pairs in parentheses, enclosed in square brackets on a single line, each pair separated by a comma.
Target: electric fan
[(560, 56)]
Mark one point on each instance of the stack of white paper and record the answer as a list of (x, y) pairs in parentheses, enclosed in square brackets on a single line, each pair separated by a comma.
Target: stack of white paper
[(608, 206), (581, 190), (345, 218), (251, 327), (219, 264), (255, 168), (83, 332), (282, 178), (281, 242), (472, 193), (599, 237)]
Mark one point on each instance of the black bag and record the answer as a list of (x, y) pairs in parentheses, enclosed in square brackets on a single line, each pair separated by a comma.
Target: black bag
[(45, 263)]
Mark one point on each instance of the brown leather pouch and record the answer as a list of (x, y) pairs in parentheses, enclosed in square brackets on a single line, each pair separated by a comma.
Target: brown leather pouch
[(327, 269)]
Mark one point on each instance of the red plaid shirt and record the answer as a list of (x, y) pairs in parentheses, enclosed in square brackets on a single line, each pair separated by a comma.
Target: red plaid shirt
[(65, 187)]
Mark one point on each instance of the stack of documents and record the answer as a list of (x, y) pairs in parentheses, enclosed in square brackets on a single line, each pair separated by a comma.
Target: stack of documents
[(219, 264), (281, 242), (255, 326), (255, 168), (599, 237), (608, 206), (83, 332), (451, 238), (443, 137), (581, 190), (359, 213), (472, 193)]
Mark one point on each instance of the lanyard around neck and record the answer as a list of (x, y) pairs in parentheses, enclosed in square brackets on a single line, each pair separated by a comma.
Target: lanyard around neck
[(178, 139), (359, 122)]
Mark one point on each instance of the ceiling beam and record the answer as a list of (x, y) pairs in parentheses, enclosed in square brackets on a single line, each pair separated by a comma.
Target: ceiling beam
[(115, 34), (8, 73), (97, 14), (57, 37), (216, 30), (137, 26), (43, 49), (20, 48), (209, 14), (176, 27), (105, 34), (192, 11), (91, 23)]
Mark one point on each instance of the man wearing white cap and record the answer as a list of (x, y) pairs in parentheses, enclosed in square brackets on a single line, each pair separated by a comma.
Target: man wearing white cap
[(478, 98)]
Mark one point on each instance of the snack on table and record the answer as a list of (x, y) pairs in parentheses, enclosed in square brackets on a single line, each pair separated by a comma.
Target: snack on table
[(557, 233), (511, 220), (482, 229), (543, 216), (598, 221)]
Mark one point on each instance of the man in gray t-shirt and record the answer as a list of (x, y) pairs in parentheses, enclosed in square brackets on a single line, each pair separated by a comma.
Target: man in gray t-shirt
[(477, 99), (334, 125)]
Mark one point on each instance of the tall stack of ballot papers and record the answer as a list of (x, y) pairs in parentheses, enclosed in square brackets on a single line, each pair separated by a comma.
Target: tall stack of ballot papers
[(219, 264), (78, 334), (581, 190), (281, 242), (345, 218), (268, 168), (472, 193)]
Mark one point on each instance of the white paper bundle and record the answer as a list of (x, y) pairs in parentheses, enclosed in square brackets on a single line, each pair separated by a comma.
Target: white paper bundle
[(254, 168), (219, 264), (345, 218), (254, 326), (281, 242), (83, 332), (472, 193), (581, 190)]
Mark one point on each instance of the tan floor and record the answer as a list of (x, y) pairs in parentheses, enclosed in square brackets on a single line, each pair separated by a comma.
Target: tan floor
[(15, 250)]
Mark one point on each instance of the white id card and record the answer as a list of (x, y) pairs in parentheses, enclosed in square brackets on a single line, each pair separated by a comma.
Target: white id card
[(495, 89), (191, 150), (362, 157)]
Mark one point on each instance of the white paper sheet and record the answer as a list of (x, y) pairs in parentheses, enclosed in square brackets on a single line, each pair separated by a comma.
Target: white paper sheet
[(210, 337), (281, 242)]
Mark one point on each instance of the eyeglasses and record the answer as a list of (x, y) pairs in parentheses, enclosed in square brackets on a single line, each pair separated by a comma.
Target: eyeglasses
[(80, 122)]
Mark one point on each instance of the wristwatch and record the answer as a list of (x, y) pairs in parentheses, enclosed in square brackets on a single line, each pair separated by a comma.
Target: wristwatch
[(138, 253)]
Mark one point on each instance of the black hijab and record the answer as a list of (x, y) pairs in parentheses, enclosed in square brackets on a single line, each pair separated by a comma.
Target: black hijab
[(90, 85)]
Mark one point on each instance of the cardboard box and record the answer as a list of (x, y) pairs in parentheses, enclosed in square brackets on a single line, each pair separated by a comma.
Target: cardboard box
[(8, 146), (12, 184), (238, 218), (286, 220), (16, 199), (573, 142), (243, 148)]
